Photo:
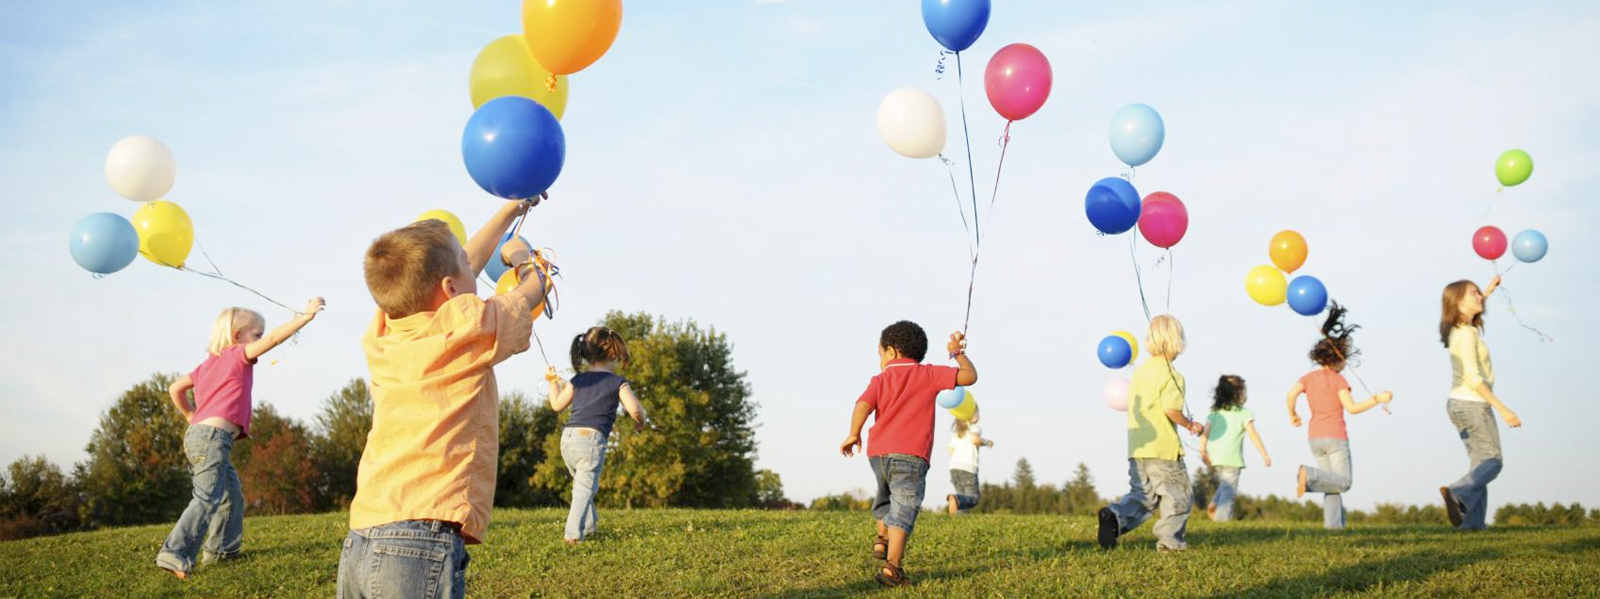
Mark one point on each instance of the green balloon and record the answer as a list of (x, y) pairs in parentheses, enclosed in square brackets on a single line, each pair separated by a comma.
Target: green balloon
[(1513, 167)]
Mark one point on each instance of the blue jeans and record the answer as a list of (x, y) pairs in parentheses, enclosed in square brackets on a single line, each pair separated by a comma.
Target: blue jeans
[(1332, 479), (584, 451), (412, 558), (1153, 485), (966, 484), (1227, 488), (1475, 421), (217, 510), (902, 479)]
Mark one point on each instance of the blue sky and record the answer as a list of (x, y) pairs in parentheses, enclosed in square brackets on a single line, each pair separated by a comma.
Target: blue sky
[(723, 165)]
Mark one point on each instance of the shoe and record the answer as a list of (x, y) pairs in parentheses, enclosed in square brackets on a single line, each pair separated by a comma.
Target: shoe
[(1452, 506), (1109, 528)]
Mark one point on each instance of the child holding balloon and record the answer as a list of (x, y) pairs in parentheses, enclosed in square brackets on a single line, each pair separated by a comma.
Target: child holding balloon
[(965, 441), (1157, 479), (1472, 402), (901, 398), (594, 394), (1222, 447)]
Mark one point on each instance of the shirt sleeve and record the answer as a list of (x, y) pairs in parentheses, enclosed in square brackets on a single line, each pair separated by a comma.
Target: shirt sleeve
[(1464, 350), (1340, 383), (944, 377), (1249, 416), (496, 328), (870, 396)]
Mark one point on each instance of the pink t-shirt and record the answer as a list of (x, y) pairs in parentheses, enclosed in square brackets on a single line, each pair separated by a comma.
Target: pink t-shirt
[(902, 396), (1327, 412), (222, 388)]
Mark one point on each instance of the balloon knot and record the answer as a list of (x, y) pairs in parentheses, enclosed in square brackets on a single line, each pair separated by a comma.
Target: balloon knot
[(550, 83), (939, 69)]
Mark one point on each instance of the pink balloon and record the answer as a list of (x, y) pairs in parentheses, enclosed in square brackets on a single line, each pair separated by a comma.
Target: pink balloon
[(1163, 220), (1489, 242), (1117, 394), (1018, 81)]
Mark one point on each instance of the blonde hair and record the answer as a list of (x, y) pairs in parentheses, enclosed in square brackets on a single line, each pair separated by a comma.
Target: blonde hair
[(961, 427), (1166, 337), (225, 331), (403, 267)]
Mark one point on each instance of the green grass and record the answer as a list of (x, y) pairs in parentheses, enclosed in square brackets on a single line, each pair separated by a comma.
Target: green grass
[(687, 553)]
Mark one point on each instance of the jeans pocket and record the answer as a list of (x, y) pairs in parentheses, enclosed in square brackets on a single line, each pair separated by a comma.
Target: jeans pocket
[(401, 569)]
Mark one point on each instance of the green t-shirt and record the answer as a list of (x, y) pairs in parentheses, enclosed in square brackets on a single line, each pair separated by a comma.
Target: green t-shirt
[(1225, 442), (1155, 388)]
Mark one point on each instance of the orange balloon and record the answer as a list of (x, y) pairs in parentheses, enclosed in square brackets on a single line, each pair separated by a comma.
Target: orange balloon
[(568, 35), (1288, 250)]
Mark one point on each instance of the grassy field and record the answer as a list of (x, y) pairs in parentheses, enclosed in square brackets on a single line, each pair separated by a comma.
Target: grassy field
[(687, 553)]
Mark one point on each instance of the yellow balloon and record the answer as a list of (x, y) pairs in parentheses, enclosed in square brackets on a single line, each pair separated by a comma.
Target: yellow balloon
[(1266, 285), (447, 218), (508, 282), (966, 408), (1132, 343), (165, 233), (505, 67)]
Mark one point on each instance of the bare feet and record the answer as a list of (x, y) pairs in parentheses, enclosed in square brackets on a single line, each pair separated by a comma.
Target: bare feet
[(571, 542), (951, 499), (178, 573), (1300, 486)]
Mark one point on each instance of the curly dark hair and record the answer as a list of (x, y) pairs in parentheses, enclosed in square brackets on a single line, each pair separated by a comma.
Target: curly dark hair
[(907, 338), (1229, 393), (1335, 349)]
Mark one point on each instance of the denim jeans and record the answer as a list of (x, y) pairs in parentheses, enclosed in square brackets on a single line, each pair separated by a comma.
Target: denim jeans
[(584, 451), (411, 558), (966, 484), (1227, 488), (1154, 485), (217, 510), (1475, 421), (902, 479), (1332, 479)]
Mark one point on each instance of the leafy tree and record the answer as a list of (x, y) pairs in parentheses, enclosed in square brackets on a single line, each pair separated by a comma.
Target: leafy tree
[(1080, 496), (524, 427), (136, 472), (36, 498), (276, 467), (341, 436), (769, 490)]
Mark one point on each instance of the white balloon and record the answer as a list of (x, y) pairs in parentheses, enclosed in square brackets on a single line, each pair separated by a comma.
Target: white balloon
[(912, 123), (141, 168), (1116, 393)]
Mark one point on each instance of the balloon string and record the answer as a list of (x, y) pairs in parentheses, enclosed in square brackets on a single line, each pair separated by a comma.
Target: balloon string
[(550, 82), (1348, 363), (938, 70), (1138, 276), (216, 273), (949, 167), (1005, 140), (1512, 308), (1170, 273), (1128, 174), (1492, 198), (972, 179)]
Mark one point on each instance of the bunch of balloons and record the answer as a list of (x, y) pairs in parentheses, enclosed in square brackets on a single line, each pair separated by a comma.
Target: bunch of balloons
[(959, 401), (142, 169), (1269, 286), (1118, 349), (1512, 168), (1113, 205)]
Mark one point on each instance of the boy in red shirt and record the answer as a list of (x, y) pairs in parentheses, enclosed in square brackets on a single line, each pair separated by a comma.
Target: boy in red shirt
[(902, 397)]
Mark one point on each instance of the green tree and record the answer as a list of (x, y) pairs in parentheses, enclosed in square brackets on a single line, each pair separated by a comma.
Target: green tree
[(36, 498), (136, 472), (524, 427), (769, 490), (1023, 477), (1205, 486), (1080, 496), (276, 467), (341, 436)]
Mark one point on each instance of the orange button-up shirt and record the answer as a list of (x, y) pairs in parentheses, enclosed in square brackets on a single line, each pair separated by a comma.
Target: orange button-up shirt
[(434, 445)]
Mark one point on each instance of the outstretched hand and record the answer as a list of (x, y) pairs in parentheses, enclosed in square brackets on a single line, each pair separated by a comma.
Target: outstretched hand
[(850, 446), (957, 345)]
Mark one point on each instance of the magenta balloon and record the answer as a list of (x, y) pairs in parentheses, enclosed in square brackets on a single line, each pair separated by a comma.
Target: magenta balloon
[(1489, 243), (1017, 81), (1163, 220)]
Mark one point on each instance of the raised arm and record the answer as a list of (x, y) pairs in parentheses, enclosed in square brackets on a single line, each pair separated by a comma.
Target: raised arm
[(1493, 285), (631, 404), (531, 286), (179, 391), (482, 244), (1294, 396), (966, 373), (277, 336), (1250, 427), (1352, 407)]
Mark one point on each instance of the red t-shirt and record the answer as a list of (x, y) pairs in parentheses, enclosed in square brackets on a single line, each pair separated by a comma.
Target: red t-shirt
[(222, 388), (1327, 412), (902, 396)]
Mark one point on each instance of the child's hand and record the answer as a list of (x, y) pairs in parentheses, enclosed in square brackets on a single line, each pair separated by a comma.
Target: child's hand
[(514, 252), (1205, 457), (1511, 418), (850, 445), (638, 426), (1385, 397), (313, 306), (1294, 419), (957, 345), (1267, 460), (1196, 429), (524, 206), (550, 374)]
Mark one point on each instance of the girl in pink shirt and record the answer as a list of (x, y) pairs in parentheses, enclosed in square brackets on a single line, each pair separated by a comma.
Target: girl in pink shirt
[(220, 413)]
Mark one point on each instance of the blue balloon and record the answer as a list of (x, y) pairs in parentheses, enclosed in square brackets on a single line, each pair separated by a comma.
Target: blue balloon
[(1136, 134), (1529, 246), (513, 147), (1115, 352), (950, 398), (955, 23), (497, 267), (103, 243), (1112, 205), (1307, 296)]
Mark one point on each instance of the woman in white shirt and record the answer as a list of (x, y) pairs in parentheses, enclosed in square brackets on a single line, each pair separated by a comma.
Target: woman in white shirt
[(1472, 402)]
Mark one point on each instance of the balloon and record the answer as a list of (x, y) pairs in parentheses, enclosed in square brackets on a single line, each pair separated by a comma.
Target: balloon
[(1115, 352), (1136, 134), (513, 147), (141, 168), (447, 218), (950, 398), (567, 35), (955, 23), (1017, 81), (509, 281), (1489, 242), (1112, 205), (1133, 344), (1513, 167), (1116, 394), (496, 267), (912, 123), (165, 233), (1307, 296), (1288, 250), (1265, 284), (966, 409), (506, 67), (1529, 246), (1163, 219), (103, 243)]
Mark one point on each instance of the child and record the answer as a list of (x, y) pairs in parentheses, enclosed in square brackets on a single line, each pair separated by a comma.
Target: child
[(1328, 396), (219, 414), (1156, 475), (901, 397), (427, 477), (1472, 402), (1225, 430), (965, 439), (593, 394)]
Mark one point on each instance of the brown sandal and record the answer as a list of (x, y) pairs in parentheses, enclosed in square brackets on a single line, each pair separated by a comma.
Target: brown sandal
[(891, 575), (882, 543)]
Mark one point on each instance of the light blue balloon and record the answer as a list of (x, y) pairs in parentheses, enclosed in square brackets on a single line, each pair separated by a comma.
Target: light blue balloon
[(497, 267), (1529, 246), (950, 398), (103, 243), (1136, 134)]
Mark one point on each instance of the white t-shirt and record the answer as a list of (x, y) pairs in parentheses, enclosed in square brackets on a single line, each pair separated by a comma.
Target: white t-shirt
[(963, 453)]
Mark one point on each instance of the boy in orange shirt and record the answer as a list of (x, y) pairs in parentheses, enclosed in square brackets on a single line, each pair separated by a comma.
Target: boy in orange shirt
[(427, 477)]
